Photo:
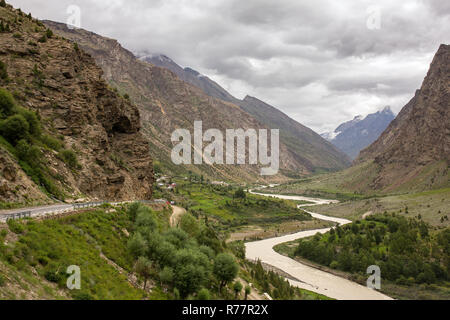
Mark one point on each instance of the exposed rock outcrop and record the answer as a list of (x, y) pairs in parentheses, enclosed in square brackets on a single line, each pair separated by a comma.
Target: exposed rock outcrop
[(65, 87)]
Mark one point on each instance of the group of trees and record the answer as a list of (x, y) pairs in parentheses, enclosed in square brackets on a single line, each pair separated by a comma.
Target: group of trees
[(403, 248), (275, 285), (187, 259)]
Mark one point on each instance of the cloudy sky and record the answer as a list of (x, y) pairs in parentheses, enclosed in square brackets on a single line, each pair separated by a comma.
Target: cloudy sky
[(321, 62)]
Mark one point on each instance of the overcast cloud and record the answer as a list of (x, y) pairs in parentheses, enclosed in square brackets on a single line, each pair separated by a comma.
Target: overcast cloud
[(315, 60)]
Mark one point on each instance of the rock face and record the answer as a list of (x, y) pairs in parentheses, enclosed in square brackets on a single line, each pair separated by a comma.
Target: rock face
[(353, 136), (15, 185), (167, 103), (76, 105), (306, 146), (416, 145)]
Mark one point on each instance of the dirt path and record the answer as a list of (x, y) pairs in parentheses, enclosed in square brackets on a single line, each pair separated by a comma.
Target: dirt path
[(176, 215), (310, 278)]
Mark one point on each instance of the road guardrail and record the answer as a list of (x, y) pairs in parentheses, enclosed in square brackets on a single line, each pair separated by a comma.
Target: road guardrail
[(76, 206)]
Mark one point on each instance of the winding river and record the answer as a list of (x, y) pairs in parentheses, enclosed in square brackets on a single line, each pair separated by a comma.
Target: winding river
[(307, 277)]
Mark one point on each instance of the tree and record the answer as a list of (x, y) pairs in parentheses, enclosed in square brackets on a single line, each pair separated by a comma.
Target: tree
[(237, 287), (144, 269), (3, 3), (190, 225), (15, 128), (240, 194), (225, 268), (166, 276), (145, 220), (133, 209), (191, 271), (203, 294), (248, 290), (137, 245)]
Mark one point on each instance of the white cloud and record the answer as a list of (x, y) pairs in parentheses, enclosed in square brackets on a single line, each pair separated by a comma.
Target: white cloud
[(315, 60)]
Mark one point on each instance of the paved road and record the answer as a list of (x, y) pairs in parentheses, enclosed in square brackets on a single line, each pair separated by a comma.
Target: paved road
[(36, 212), (310, 278)]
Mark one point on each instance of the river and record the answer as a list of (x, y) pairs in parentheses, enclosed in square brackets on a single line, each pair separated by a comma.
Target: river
[(308, 277)]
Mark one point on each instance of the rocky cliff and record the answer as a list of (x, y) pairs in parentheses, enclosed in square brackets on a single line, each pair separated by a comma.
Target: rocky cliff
[(63, 85), (415, 148)]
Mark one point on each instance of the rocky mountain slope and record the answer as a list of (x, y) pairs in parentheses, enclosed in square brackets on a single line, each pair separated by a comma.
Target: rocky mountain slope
[(90, 145), (306, 145), (189, 75), (414, 151), (166, 103), (353, 136)]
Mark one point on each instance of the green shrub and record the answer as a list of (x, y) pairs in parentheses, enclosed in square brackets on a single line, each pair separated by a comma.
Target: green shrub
[(70, 158), (2, 280), (38, 76), (15, 227), (49, 33), (3, 71), (30, 154), (33, 121), (15, 128), (203, 294), (7, 103), (51, 142), (53, 275)]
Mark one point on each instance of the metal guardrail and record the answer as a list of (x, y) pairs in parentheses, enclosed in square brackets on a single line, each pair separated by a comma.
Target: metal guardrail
[(17, 215)]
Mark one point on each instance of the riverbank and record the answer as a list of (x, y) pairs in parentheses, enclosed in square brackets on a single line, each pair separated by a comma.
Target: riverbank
[(309, 278)]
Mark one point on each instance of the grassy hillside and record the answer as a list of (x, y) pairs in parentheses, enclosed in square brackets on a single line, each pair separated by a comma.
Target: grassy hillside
[(357, 182), (106, 245)]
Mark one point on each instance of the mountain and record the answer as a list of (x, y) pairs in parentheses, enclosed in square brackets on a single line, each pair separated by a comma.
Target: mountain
[(307, 146), (189, 75), (64, 132), (414, 151), (166, 103), (353, 136)]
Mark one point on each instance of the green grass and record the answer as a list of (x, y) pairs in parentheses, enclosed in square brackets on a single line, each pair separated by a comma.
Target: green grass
[(217, 204), (53, 245)]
